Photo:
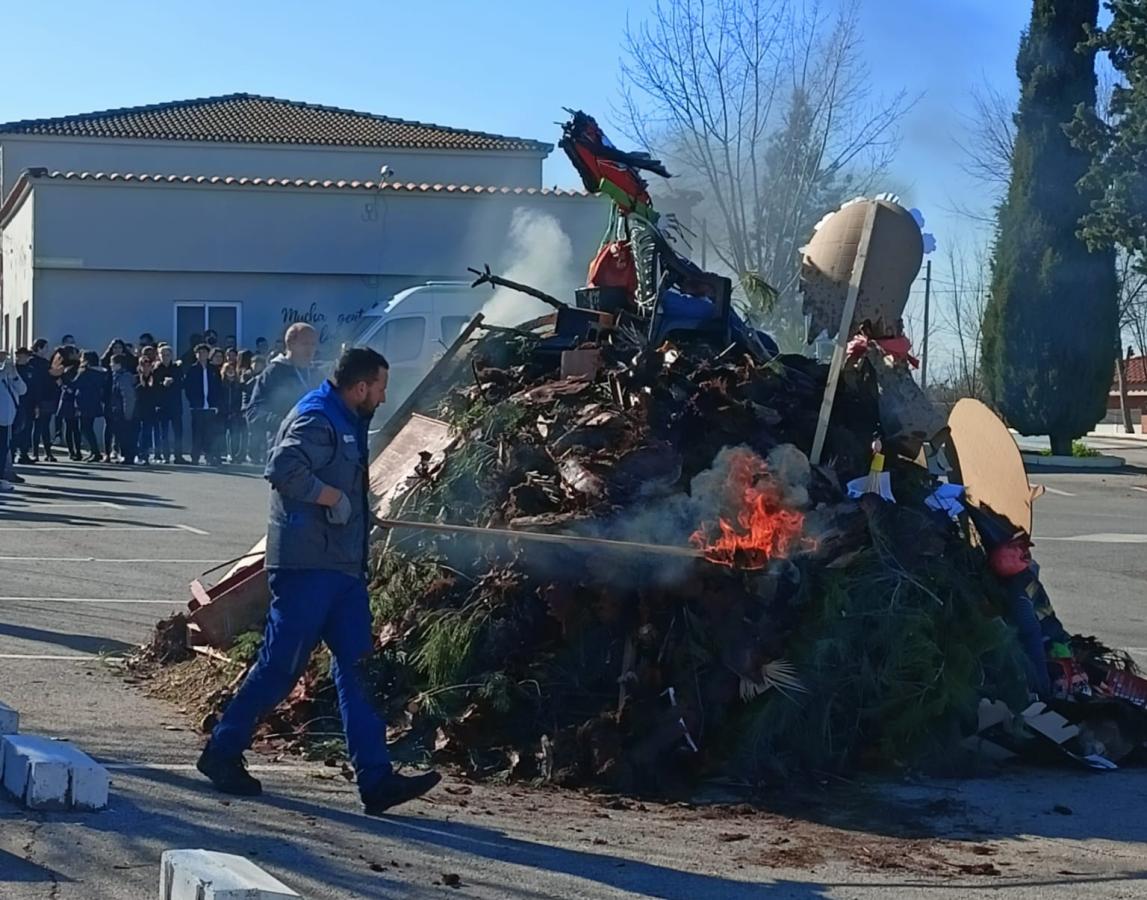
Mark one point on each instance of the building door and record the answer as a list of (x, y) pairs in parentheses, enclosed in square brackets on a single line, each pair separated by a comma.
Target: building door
[(195, 318)]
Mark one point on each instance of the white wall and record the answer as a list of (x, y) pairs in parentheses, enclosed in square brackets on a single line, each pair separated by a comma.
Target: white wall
[(20, 152), (212, 228), (97, 306), (112, 259), (16, 247)]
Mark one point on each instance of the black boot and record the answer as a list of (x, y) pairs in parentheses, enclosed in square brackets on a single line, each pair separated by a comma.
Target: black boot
[(395, 790), (228, 774)]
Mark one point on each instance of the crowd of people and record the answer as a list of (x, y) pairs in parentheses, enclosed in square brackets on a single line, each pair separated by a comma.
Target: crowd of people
[(129, 404)]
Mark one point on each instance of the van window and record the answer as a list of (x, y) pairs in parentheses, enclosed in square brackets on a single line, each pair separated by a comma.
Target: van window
[(452, 327), (400, 340)]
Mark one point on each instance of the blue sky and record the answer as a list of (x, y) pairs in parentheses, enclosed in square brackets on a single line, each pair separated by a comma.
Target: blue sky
[(506, 66)]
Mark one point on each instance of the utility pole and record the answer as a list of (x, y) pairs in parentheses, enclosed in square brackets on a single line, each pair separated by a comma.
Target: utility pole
[(704, 241), (927, 312)]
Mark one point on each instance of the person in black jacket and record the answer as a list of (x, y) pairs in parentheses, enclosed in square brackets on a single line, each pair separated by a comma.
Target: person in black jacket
[(285, 380), (67, 413), (90, 391), (203, 388), (122, 407), (169, 375), (47, 398), (148, 396), (231, 413), (256, 437), (26, 411)]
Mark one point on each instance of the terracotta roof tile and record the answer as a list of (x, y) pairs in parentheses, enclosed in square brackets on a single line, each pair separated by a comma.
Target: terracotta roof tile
[(252, 119), (1135, 370), (342, 184)]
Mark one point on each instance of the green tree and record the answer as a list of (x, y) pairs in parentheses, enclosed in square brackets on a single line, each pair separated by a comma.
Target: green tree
[(1117, 141), (1051, 323)]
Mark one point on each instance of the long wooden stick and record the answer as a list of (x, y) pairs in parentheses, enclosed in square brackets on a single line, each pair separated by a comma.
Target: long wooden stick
[(843, 334), (488, 278), (569, 540)]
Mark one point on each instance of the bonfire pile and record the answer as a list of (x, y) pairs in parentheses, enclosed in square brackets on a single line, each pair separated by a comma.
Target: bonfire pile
[(752, 620)]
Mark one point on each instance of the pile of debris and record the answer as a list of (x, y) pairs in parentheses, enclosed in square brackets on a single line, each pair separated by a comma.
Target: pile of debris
[(631, 544), (744, 613)]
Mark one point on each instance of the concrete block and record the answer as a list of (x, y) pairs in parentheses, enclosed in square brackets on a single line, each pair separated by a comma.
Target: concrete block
[(207, 875), (9, 720), (44, 774)]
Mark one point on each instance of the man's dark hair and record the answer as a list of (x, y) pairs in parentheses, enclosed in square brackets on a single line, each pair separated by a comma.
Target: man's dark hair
[(23, 350), (92, 359), (150, 338), (260, 340), (201, 346), (196, 340), (65, 338), (358, 364), (40, 344)]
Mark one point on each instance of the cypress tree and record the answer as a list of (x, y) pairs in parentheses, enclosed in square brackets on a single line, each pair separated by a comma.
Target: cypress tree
[(1052, 319)]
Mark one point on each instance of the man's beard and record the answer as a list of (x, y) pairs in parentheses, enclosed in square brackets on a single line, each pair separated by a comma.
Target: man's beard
[(366, 410)]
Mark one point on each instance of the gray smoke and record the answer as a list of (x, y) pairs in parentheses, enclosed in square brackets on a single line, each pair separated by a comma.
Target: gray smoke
[(539, 254)]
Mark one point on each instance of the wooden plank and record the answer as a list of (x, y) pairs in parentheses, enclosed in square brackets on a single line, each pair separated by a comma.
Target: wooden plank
[(397, 460), (843, 335)]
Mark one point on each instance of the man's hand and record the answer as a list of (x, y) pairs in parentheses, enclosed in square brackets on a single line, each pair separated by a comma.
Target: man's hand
[(340, 513), (329, 496)]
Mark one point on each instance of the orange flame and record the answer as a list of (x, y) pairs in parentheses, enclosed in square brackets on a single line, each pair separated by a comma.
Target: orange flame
[(764, 529)]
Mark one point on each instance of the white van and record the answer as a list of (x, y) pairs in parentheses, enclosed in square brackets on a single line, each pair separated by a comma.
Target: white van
[(413, 329)]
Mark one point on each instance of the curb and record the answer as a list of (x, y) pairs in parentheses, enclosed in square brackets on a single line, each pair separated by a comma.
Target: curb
[(1074, 462)]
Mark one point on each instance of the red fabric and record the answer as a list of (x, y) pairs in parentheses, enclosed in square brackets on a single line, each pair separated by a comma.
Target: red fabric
[(614, 267), (896, 347)]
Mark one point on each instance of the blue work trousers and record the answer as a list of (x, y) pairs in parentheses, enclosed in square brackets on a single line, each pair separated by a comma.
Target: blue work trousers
[(308, 606)]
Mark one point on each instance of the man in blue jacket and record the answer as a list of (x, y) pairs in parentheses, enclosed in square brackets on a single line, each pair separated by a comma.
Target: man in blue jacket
[(316, 562)]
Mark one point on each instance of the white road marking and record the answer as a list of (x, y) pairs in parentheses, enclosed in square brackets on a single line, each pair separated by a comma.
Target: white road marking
[(198, 531), (81, 600), (103, 504), (49, 657), (1104, 538), (95, 527), (101, 559), (1052, 490), (1136, 488)]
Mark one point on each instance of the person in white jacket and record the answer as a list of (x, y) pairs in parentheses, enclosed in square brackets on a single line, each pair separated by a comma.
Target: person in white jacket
[(12, 388)]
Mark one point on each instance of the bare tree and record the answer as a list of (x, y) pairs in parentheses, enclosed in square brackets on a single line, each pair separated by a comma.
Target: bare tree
[(989, 139), (765, 107), (1132, 302), (961, 319)]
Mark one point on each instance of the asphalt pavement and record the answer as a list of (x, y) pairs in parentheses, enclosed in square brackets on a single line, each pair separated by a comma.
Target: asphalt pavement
[(91, 556)]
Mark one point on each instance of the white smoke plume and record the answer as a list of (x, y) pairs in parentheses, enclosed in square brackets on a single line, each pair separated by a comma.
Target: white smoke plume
[(539, 254)]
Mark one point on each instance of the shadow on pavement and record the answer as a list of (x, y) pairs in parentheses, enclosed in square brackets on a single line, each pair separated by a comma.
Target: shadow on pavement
[(176, 829), (16, 870), (31, 492), (81, 643)]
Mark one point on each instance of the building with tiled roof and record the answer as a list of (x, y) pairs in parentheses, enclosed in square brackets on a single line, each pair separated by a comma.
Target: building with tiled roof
[(254, 119), (1135, 383), (247, 213)]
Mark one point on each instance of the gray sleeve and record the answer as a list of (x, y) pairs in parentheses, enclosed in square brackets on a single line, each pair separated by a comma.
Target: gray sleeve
[(307, 444)]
